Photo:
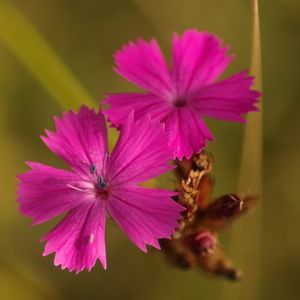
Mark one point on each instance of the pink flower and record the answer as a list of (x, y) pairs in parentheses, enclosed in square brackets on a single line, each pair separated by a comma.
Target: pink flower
[(182, 95), (99, 185)]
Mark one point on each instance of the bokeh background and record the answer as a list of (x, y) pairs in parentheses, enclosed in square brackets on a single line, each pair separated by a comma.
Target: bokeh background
[(85, 34)]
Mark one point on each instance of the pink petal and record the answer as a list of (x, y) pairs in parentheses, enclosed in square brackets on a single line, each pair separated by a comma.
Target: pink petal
[(44, 192), (79, 239), (80, 139), (227, 99), (145, 215), (144, 65), (187, 132), (198, 59), (121, 106), (141, 152)]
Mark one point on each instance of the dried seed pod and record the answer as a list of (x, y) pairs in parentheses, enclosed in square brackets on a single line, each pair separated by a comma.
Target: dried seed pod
[(191, 196), (205, 188), (194, 244), (225, 209), (203, 161), (178, 254), (218, 264)]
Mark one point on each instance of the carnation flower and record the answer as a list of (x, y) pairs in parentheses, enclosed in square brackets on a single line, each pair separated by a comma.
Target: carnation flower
[(181, 96), (99, 186)]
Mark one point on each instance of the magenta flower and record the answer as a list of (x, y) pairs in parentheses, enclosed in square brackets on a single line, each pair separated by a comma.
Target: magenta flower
[(182, 95), (99, 185)]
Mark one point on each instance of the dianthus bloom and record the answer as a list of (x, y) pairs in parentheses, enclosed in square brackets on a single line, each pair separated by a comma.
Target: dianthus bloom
[(99, 185), (182, 95)]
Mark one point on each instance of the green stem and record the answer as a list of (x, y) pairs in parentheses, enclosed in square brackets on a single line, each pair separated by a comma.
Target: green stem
[(245, 239), (251, 164)]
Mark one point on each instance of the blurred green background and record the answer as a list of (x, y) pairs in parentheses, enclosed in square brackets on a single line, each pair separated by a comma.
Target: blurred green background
[(85, 34)]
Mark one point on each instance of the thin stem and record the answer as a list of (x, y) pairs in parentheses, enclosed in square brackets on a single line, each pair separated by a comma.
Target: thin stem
[(251, 164), (245, 243)]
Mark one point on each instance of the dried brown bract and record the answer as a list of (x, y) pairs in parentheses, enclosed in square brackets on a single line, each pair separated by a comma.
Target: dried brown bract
[(195, 243)]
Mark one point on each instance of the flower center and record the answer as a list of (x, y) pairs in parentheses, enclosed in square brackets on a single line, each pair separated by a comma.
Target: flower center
[(179, 102), (101, 186)]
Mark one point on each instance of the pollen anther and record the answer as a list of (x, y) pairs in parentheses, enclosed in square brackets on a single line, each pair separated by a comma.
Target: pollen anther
[(92, 169), (101, 183)]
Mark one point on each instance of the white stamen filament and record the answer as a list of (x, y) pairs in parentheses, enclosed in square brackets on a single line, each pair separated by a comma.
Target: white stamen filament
[(76, 188)]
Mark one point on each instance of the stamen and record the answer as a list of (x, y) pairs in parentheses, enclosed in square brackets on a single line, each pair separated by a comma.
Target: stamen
[(92, 169), (75, 188), (101, 183)]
